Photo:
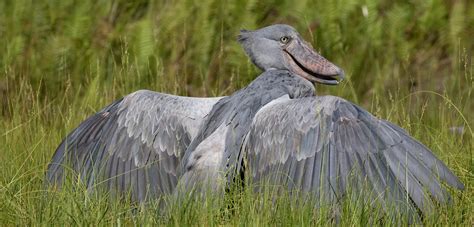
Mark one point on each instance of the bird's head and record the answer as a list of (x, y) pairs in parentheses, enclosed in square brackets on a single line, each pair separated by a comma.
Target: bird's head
[(281, 47)]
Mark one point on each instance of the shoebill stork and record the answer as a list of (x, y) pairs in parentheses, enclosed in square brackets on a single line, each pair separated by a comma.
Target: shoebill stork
[(147, 142)]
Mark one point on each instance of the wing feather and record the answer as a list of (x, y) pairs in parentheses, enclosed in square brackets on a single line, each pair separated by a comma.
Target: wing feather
[(133, 145), (333, 147)]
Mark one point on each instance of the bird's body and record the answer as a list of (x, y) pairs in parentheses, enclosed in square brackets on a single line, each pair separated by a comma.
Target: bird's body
[(147, 142), (216, 148)]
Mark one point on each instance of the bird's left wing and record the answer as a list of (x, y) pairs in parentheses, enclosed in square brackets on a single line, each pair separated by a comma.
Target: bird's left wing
[(133, 146), (328, 146)]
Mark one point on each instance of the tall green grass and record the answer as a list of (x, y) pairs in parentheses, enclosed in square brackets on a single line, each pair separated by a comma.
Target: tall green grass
[(61, 60)]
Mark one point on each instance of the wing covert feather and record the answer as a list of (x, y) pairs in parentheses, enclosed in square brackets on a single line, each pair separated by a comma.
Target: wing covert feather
[(334, 146), (134, 145)]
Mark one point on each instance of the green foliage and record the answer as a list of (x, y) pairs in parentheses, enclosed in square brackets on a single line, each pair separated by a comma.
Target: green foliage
[(406, 61)]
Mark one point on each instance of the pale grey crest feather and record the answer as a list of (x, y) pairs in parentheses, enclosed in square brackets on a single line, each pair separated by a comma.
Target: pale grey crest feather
[(244, 35)]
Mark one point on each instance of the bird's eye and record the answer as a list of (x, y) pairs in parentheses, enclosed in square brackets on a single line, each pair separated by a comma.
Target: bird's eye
[(284, 39)]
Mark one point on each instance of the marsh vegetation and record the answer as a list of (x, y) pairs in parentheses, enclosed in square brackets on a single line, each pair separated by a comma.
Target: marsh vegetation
[(409, 62)]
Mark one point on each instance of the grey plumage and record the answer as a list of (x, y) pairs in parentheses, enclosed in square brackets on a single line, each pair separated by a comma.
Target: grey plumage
[(134, 145), (340, 146), (235, 113)]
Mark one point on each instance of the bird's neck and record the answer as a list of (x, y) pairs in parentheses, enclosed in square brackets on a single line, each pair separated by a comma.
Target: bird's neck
[(283, 81)]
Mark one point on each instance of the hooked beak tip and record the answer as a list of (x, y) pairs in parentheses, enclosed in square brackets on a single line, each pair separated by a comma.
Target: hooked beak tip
[(341, 74)]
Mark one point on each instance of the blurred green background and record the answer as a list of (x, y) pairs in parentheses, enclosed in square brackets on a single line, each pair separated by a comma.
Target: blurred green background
[(189, 48), (407, 61)]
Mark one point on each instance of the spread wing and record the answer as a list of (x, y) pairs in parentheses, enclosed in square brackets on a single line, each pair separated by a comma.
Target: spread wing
[(329, 146), (134, 145)]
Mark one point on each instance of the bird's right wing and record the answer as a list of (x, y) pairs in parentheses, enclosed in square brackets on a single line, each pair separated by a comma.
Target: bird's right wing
[(327, 146), (133, 145)]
